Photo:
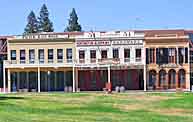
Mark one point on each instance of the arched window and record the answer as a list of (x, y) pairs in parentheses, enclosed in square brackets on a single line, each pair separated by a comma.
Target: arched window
[(181, 77), (162, 77), (172, 78), (152, 78)]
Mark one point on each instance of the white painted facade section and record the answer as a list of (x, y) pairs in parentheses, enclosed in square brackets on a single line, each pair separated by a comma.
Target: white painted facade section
[(108, 41)]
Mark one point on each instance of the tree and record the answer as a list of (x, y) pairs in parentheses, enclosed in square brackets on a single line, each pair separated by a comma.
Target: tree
[(45, 24), (73, 24), (32, 24)]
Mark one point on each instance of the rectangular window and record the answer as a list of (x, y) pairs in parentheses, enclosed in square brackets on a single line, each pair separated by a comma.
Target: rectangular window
[(172, 53), (31, 56), (151, 55), (127, 55), (69, 55), (81, 56), (13, 54), (60, 55), (22, 56), (50, 55), (138, 55), (41, 55), (93, 56), (116, 53), (181, 52), (104, 54)]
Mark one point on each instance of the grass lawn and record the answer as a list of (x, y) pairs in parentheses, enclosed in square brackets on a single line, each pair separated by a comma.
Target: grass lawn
[(96, 107)]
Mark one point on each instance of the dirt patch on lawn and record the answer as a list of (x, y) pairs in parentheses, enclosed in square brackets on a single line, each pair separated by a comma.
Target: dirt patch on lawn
[(173, 111), (144, 97), (129, 107)]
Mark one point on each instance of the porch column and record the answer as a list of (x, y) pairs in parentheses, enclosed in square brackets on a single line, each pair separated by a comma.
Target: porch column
[(9, 80), (177, 59), (109, 74), (27, 79), (76, 78), (4, 80), (73, 78), (39, 79), (18, 80), (145, 79)]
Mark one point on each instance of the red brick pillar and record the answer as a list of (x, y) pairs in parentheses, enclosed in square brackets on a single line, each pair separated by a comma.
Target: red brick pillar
[(177, 82), (157, 81)]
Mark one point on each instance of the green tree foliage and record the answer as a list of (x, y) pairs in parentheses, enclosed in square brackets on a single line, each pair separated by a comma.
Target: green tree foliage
[(45, 24), (32, 24), (73, 24)]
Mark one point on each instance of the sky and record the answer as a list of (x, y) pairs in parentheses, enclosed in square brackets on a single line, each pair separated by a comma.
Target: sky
[(100, 15)]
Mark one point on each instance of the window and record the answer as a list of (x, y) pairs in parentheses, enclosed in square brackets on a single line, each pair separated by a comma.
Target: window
[(69, 54), (60, 55), (50, 55), (81, 56), (127, 55), (172, 53), (31, 56), (93, 56), (41, 55), (138, 55), (116, 53), (181, 55), (191, 56), (104, 54), (151, 55), (22, 56), (13, 54)]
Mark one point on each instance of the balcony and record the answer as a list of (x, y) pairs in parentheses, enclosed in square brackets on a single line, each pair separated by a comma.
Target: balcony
[(109, 61)]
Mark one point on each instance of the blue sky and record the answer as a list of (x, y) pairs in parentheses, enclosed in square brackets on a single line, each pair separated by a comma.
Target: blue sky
[(100, 14)]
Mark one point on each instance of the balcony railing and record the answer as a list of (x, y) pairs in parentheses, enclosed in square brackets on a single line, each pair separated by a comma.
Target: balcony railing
[(109, 60)]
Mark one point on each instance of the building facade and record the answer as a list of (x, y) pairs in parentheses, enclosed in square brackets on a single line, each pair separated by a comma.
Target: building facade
[(167, 59), (40, 62), (110, 57), (3, 56), (87, 61)]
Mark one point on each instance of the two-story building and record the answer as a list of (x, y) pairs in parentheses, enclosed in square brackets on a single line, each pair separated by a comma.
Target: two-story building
[(167, 59), (40, 62), (115, 57), (3, 56)]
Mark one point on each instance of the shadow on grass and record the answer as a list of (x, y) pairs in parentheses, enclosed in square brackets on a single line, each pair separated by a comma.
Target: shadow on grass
[(11, 98)]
